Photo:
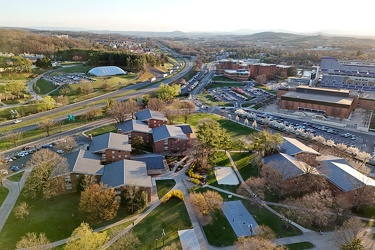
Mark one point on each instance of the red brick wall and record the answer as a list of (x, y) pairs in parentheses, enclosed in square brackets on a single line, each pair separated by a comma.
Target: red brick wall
[(330, 110), (152, 123), (366, 104), (116, 155), (268, 70), (172, 146)]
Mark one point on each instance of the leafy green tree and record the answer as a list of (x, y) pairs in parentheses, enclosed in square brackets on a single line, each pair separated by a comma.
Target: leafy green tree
[(47, 103), (98, 203), (356, 244), (45, 179), (211, 136), (167, 93), (133, 198), (44, 62), (16, 88), (138, 144), (83, 238), (265, 143)]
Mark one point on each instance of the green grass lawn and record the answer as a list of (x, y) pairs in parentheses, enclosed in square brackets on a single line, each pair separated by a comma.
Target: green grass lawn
[(163, 186), (236, 131), (219, 85), (73, 69), (43, 86), (265, 217), (300, 246), (17, 177), (57, 218), (367, 211), (102, 130), (219, 232), (171, 216), (3, 194), (242, 161)]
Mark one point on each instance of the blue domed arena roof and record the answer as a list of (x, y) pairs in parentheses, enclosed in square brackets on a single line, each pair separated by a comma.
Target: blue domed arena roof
[(107, 71)]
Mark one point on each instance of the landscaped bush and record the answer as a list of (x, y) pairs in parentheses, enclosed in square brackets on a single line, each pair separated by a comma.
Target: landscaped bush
[(195, 181), (174, 193), (191, 174)]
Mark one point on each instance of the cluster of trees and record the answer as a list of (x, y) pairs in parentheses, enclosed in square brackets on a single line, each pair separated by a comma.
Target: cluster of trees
[(20, 41), (15, 64), (11, 90), (44, 62)]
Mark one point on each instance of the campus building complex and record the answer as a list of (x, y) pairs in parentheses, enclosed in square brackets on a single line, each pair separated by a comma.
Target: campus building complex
[(355, 75)]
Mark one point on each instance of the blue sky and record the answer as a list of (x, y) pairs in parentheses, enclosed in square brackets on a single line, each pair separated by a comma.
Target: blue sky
[(192, 15)]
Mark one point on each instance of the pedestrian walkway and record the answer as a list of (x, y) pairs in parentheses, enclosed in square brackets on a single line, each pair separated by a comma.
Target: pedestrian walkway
[(15, 189)]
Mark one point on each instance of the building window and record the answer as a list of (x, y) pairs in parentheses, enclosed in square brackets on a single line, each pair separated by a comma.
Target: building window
[(77, 176), (119, 156), (113, 151), (113, 157), (126, 156)]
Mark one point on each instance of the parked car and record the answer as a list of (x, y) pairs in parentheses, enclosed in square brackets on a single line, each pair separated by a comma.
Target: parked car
[(14, 168), (60, 151), (17, 121), (47, 145)]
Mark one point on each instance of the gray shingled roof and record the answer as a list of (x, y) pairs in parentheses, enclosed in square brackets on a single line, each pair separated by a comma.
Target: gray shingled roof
[(147, 114), (153, 161), (292, 147), (168, 131), (133, 125), (186, 128), (126, 172), (339, 172), (110, 141), (83, 161), (286, 165)]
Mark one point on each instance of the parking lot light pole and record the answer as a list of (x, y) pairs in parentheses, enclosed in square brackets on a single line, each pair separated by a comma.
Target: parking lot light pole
[(156, 244)]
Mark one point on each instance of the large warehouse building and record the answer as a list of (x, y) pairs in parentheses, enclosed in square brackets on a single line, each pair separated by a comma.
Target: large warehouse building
[(324, 101), (107, 71)]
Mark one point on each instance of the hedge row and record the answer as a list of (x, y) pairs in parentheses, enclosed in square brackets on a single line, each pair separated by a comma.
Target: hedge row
[(174, 193), (191, 174)]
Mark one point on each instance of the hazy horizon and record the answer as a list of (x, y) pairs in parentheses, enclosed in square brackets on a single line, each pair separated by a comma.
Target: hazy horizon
[(192, 16)]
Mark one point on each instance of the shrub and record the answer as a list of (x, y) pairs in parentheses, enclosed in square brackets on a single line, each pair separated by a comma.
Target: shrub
[(22, 210), (191, 174), (174, 193), (195, 181)]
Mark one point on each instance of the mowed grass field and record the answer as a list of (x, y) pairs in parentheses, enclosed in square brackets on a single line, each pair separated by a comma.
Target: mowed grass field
[(56, 217)]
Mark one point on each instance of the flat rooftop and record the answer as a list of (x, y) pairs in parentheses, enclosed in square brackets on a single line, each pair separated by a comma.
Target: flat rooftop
[(307, 88), (319, 98)]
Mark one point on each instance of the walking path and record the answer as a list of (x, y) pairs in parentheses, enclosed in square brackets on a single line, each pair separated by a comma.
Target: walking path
[(11, 199)]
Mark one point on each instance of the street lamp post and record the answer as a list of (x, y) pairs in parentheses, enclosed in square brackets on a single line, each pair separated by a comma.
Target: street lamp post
[(163, 234), (156, 244)]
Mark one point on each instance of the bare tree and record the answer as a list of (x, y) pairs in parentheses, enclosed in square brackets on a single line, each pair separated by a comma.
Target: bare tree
[(46, 125), (353, 229), (22, 210), (14, 137), (45, 179), (67, 144), (119, 111), (33, 241), (156, 104)]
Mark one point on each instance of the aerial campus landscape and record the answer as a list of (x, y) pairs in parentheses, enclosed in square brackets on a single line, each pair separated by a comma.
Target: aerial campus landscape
[(195, 125)]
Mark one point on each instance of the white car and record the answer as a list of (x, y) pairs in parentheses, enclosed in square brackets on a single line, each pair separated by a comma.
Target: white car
[(60, 151), (17, 121)]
